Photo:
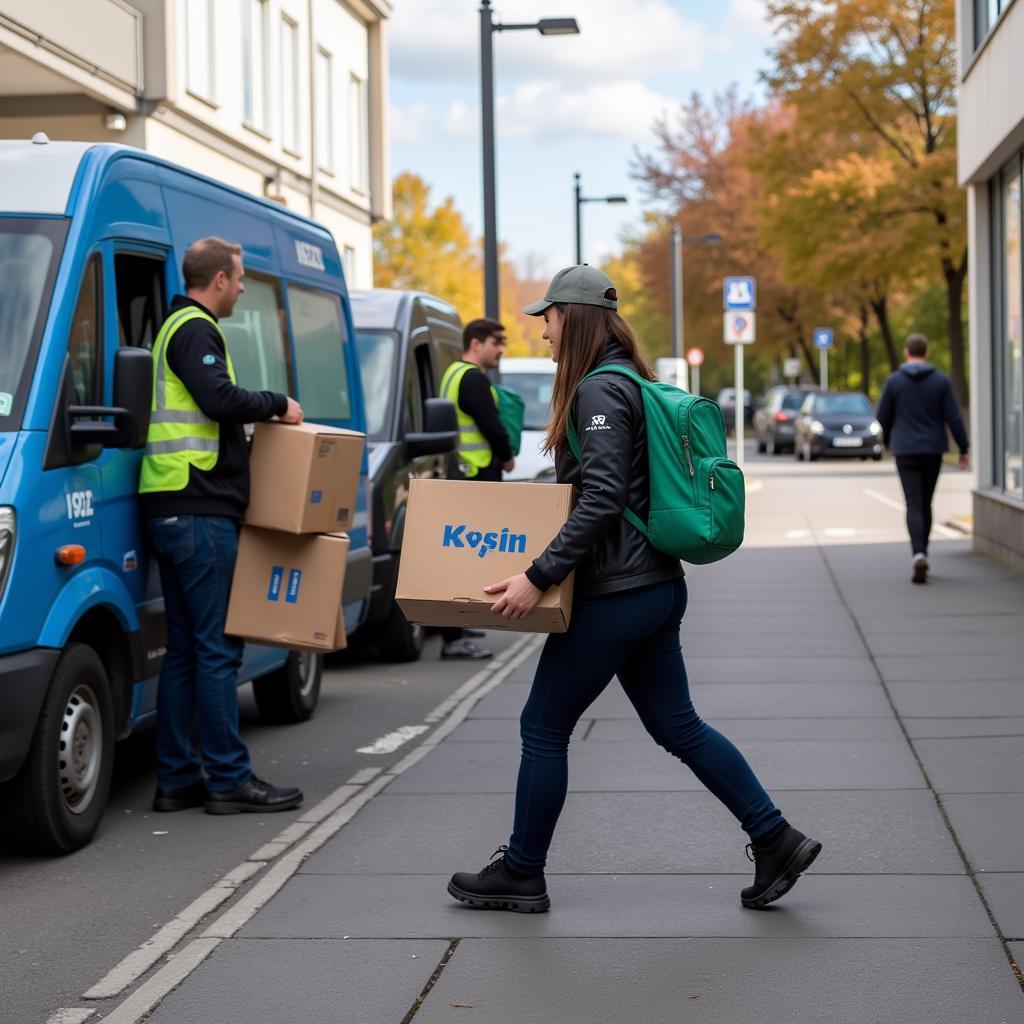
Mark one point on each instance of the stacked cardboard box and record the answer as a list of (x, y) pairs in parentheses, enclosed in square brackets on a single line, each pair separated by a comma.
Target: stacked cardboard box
[(292, 552)]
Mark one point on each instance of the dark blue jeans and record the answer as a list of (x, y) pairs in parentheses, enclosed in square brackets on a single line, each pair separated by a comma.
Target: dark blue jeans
[(634, 635), (199, 678)]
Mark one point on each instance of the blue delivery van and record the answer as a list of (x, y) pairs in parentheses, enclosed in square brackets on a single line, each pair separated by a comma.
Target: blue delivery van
[(91, 244)]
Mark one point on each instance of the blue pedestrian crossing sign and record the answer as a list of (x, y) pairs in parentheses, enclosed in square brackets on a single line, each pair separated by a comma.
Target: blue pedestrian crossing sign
[(823, 337), (739, 293)]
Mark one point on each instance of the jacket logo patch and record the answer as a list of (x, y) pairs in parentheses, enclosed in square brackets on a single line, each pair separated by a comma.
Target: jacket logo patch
[(597, 423), (209, 360)]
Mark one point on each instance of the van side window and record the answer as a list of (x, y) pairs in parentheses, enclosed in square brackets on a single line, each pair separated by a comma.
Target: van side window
[(141, 300), (412, 406), (446, 355), (256, 337), (320, 345), (85, 345)]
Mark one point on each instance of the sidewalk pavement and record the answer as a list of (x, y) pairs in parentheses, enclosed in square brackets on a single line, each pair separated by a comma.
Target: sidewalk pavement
[(887, 720)]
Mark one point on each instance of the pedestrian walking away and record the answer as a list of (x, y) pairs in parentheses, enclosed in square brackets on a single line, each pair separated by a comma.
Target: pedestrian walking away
[(630, 600), (916, 407), (194, 489), (484, 447)]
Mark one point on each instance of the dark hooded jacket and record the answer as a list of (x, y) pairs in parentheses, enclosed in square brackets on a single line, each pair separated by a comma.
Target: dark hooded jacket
[(607, 553), (916, 406)]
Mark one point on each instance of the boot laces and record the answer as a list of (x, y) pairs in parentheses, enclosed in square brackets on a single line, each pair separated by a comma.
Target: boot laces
[(495, 865)]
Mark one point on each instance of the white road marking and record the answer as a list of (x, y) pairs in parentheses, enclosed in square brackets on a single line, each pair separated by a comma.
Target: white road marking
[(797, 534), (390, 743), (332, 813), (71, 1015), (839, 531), (900, 506)]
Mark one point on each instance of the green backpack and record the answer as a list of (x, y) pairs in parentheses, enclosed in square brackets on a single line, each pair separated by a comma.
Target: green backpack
[(511, 409), (697, 493)]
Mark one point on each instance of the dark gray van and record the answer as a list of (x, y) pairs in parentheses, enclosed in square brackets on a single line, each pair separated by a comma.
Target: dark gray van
[(405, 341)]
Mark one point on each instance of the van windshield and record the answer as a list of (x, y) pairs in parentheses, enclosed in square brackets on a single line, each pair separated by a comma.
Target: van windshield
[(29, 252), (535, 390), (378, 351)]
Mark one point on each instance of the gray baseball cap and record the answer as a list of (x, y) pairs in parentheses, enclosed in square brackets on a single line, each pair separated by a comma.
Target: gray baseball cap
[(584, 284)]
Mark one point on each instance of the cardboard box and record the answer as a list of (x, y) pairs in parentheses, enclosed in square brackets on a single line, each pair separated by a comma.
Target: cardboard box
[(286, 590), (305, 477), (462, 535)]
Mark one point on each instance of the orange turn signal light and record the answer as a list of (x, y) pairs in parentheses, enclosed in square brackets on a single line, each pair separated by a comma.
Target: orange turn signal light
[(71, 554)]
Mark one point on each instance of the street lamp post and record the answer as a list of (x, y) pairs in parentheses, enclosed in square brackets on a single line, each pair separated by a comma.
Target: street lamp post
[(546, 27), (580, 200), (678, 238)]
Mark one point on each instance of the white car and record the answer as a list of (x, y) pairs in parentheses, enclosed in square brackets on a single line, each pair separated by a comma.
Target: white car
[(534, 381)]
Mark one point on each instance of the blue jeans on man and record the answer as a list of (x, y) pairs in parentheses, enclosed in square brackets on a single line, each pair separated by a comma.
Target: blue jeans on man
[(199, 678)]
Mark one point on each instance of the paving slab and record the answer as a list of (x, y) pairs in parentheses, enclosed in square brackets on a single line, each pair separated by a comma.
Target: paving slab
[(643, 832), (1005, 895), (821, 906), (917, 644), (713, 981), (744, 729), (781, 642), (1017, 952), (990, 829), (309, 980), (609, 766), (966, 622), (736, 700), (937, 728), (951, 666), (834, 671), (987, 764), (958, 699)]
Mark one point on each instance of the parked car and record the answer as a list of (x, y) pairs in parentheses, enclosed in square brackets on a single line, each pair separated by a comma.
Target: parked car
[(727, 401), (91, 244), (775, 418), (533, 380), (837, 424), (405, 340)]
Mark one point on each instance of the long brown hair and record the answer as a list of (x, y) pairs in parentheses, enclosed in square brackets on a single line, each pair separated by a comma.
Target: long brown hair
[(585, 331)]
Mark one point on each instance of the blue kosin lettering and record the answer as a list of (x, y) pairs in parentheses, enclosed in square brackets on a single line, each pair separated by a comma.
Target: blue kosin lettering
[(517, 543), (453, 536), (473, 538), (489, 544), (503, 545)]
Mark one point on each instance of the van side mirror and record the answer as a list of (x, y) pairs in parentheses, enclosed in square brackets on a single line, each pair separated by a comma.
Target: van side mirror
[(440, 432), (133, 398)]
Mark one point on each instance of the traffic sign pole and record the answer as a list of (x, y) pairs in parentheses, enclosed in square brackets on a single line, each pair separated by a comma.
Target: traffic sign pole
[(824, 369), (739, 300), (740, 406), (694, 380), (823, 339)]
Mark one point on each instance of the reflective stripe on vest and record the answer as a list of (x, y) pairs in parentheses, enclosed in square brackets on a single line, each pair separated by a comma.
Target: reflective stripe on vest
[(180, 435), (474, 449)]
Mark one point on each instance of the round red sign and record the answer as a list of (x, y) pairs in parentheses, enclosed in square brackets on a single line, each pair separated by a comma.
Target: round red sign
[(695, 357)]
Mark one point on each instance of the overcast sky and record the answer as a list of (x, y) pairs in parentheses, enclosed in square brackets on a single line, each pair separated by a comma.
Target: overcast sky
[(563, 104)]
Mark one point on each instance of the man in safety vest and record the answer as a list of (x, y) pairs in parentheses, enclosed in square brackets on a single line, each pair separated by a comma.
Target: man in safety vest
[(484, 448), (194, 489)]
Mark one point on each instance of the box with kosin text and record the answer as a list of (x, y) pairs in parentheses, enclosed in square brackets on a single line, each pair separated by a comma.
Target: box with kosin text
[(287, 589), (305, 477), (462, 535)]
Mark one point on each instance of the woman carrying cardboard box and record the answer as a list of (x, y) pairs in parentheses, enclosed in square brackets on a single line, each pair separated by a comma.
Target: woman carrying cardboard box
[(630, 600)]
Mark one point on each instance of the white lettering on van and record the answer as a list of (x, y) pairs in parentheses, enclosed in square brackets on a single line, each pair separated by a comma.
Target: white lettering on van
[(309, 255), (79, 505)]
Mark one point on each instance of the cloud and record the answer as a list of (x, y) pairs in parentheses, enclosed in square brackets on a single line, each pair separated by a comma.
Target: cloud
[(439, 39), (545, 110), (412, 124)]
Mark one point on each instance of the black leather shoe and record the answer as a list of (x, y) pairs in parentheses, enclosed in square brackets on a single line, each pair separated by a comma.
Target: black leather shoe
[(466, 650), (777, 867), (495, 888), (254, 797), (180, 799)]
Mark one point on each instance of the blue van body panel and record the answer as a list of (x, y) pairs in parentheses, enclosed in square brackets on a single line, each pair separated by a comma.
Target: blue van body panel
[(125, 200)]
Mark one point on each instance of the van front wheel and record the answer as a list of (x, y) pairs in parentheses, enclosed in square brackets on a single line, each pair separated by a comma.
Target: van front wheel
[(56, 802), (291, 693)]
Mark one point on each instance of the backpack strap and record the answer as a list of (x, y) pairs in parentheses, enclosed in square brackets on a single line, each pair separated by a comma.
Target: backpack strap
[(574, 442)]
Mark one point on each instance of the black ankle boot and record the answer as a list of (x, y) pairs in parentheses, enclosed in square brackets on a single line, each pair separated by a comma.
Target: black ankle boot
[(498, 888), (778, 866)]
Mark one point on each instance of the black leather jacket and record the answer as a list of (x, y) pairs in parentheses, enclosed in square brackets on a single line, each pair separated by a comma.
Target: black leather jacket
[(607, 553)]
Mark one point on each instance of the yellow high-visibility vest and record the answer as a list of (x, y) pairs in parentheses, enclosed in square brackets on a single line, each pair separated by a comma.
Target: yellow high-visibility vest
[(474, 450), (180, 435)]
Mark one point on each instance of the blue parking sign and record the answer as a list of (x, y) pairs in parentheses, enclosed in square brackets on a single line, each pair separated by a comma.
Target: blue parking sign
[(739, 293), (823, 337)]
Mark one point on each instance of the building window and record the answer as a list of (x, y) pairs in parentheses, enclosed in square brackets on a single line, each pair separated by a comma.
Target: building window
[(1009, 362), (986, 13), (359, 142), (254, 63), (324, 111), (348, 265), (290, 85), (199, 47)]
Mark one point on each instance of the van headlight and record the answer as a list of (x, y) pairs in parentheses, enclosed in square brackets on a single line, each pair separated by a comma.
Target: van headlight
[(817, 427), (875, 427), (6, 544)]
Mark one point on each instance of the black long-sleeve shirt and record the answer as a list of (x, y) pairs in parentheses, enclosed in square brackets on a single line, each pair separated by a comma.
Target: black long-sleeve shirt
[(476, 400), (196, 355)]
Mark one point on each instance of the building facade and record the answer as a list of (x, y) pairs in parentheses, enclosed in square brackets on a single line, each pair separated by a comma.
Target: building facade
[(283, 98), (991, 167)]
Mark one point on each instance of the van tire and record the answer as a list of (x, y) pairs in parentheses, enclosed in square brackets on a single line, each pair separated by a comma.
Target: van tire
[(291, 693), (399, 640), (56, 802)]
